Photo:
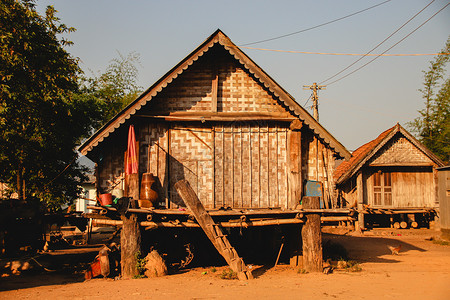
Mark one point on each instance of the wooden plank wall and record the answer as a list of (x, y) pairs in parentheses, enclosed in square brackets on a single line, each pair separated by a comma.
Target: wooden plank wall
[(413, 188)]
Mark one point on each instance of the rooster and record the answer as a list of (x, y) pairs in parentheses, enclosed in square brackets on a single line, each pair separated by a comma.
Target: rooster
[(395, 250)]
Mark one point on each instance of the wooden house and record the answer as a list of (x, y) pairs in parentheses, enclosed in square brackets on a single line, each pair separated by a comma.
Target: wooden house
[(392, 178), (220, 122)]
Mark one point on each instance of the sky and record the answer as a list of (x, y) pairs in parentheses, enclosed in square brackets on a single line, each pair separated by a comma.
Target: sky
[(354, 110)]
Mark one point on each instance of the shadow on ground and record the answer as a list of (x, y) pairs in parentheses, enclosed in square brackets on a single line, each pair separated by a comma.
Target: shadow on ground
[(369, 248), (58, 267)]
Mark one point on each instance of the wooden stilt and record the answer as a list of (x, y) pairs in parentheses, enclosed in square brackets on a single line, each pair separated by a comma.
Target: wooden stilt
[(212, 230), (312, 237), (130, 237)]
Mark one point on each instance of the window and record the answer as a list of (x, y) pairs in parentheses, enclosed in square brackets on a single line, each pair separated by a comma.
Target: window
[(382, 189)]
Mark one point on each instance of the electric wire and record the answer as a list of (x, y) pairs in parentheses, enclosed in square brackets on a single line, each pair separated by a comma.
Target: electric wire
[(378, 45), (304, 105), (317, 26), (347, 54), (404, 38)]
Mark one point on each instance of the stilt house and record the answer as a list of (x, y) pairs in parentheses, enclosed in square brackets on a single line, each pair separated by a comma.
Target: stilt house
[(219, 121), (392, 178)]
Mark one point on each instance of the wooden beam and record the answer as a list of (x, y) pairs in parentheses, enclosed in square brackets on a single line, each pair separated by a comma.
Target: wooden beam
[(212, 230), (360, 200), (220, 116), (240, 212), (214, 88), (102, 220), (295, 168)]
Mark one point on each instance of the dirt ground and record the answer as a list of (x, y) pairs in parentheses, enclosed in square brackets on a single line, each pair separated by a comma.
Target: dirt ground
[(420, 271)]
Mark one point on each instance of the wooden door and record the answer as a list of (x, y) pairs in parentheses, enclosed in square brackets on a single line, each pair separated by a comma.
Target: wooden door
[(382, 189)]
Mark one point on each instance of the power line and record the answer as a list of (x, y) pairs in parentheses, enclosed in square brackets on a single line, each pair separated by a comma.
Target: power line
[(346, 54), (379, 44), (304, 105), (317, 26), (391, 46)]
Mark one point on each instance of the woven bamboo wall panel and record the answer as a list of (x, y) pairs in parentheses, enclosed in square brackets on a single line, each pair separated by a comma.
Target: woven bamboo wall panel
[(400, 150), (250, 165), (191, 158), (255, 166), (311, 154), (111, 165), (153, 153), (191, 91), (239, 92), (282, 176)]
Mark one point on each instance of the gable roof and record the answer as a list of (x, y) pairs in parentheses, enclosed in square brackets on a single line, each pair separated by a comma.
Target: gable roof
[(364, 153), (217, 37)]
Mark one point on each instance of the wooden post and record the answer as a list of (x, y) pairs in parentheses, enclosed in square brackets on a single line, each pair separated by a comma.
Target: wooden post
[(212, 230), (295, 163), (312, 237), (130, 237), (360, 201)]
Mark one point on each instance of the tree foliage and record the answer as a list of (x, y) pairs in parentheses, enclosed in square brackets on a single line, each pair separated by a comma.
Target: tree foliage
[(117, 86), (433, 124), (43, 113)]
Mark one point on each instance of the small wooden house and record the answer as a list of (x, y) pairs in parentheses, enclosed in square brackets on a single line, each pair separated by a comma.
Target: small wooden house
[(219, 121), (392, 178)]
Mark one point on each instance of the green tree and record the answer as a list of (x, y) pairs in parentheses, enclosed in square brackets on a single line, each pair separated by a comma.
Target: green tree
[(43, 114), (433, 125), (117, 87)]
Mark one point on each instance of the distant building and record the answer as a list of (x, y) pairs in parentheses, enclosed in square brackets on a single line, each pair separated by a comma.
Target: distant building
[(392, 178), (89, 192)]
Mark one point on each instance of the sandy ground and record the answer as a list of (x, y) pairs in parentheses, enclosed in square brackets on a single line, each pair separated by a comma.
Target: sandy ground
[(420, 271)]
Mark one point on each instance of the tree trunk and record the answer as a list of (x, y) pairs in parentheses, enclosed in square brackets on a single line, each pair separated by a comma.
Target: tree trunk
[(19, 182), (312, 237)]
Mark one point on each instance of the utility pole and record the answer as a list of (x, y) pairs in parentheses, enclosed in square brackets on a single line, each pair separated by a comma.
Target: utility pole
[(315, 97)]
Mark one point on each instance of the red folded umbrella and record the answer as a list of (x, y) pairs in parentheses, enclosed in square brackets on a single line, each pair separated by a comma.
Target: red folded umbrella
[(132, 164)]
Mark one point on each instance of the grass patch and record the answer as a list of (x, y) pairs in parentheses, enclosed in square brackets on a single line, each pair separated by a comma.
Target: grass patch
[(140, 265), (228, 274), (441, 242), (302, 271), (353, 266)]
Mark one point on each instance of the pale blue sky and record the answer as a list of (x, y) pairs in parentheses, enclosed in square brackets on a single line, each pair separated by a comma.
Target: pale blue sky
[(355, 109)]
